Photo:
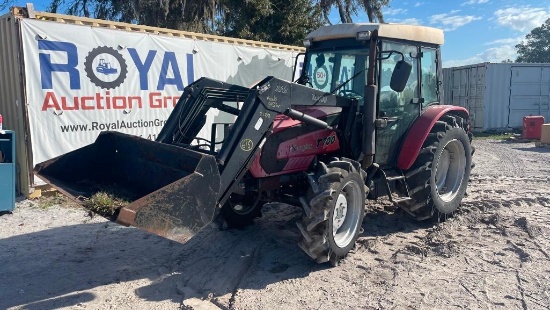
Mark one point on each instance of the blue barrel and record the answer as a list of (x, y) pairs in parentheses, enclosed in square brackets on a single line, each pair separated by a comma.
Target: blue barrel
[(7, 170)]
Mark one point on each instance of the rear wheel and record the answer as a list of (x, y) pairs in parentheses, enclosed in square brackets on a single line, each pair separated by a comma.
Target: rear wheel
[(439, 177), (333, 212)]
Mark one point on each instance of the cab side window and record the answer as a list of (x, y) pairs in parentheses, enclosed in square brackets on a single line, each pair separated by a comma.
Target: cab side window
[(392, 102), (429, 76)]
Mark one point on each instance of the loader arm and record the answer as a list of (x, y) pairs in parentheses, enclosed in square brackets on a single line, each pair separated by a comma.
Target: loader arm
[(270, 97), (262, 102)]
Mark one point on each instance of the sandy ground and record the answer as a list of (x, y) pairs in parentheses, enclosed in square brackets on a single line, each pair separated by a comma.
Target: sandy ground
[(494, 254)]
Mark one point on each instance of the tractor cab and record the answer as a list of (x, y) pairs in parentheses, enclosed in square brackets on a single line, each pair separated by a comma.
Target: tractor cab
[(402, 61)]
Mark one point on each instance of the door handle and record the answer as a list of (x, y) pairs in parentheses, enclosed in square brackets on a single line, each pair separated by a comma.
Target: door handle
[(384, 121)]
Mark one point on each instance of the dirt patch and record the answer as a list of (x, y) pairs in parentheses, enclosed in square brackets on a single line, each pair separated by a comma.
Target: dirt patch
[(493, 253)]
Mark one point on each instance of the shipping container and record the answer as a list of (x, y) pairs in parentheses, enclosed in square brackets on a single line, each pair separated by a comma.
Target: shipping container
[(499, 95), (64, 79)]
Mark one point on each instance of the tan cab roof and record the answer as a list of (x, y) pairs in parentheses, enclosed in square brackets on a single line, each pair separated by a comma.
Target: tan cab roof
[(394, 31)]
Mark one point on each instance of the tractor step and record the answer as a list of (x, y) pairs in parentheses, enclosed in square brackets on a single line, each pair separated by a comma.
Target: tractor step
[(401, 199), (398, 177), (395, 178)]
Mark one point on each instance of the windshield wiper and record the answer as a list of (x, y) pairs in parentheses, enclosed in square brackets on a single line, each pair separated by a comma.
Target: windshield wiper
[(347, 81)]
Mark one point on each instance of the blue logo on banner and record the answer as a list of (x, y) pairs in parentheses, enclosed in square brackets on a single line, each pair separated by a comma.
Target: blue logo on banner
[(107, 68)]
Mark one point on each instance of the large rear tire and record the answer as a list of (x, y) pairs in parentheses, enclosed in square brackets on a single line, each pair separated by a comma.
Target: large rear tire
[(439, 177), (333, 212)]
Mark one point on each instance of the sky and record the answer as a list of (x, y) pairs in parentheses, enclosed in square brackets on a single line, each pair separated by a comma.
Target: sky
[(475, 30)]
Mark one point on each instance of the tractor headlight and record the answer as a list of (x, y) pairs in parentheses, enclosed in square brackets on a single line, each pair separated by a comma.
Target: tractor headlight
[(363, 35)]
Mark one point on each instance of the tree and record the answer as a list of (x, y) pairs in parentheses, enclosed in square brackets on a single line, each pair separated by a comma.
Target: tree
[(374, 9), (347, 8), (536, 47), (5, 3), (194, 15), (278, 21)]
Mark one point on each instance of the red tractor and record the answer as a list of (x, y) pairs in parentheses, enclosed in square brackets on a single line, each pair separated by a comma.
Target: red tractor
[(364, 120)]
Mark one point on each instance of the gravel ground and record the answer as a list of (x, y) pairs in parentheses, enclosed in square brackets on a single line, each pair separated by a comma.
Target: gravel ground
[(495, 253)]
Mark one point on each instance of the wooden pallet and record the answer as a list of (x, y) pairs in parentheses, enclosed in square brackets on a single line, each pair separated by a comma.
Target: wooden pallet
[(45, 190), (543, 145)]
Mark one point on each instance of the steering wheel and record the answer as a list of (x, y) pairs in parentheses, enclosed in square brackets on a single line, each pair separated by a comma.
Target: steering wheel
[(304, 80)]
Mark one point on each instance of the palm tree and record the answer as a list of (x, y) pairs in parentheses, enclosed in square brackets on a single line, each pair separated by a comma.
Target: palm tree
[(345, 9), (348, 7), (374, 9)]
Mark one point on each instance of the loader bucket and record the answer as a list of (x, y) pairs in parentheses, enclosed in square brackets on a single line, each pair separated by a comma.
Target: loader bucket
[(173, 190)]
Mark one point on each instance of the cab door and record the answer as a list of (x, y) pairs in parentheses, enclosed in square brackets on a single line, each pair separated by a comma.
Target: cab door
[(399, 110)]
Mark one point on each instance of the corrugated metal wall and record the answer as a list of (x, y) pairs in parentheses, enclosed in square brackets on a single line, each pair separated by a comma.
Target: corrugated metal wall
[(529, 92), (467, 89), (447, 87), (12, 96), (498, 95)]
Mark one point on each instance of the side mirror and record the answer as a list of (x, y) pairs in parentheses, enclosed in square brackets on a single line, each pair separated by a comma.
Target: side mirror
[(400, 75), (297, 70)]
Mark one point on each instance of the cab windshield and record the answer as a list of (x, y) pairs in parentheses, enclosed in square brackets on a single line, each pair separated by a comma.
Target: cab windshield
[(344, 70)]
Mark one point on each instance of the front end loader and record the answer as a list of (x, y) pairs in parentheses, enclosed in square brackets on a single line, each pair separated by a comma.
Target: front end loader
[(363, 121), (177, 187)]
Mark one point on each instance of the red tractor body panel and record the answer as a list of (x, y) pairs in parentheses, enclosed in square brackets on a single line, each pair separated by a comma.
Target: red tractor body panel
[(420, 130), (294, 145)]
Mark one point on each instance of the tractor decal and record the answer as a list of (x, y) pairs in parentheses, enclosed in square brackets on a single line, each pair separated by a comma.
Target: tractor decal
[(101, 69), (105, 67)]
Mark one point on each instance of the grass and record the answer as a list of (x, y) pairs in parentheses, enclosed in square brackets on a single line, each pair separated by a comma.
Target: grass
[(55, 199), (497, 135), (105, 204), (491, 136)]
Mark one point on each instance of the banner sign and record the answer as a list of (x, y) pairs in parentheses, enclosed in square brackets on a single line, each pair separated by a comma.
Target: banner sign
[(82, 80)]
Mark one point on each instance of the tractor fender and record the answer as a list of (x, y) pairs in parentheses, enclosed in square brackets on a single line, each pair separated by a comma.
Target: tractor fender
[(419, 132)]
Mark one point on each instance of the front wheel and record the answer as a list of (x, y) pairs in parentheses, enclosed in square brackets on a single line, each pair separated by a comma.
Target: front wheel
[(333, 212), (439, 177)]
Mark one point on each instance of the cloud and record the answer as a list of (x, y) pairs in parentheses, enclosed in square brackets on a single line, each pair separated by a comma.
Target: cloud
[(418, 4), (451, 22), (508, 41), (494, 54), (523, 19), (472, 2), (391, 12), (406, 21), (410, 21)]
